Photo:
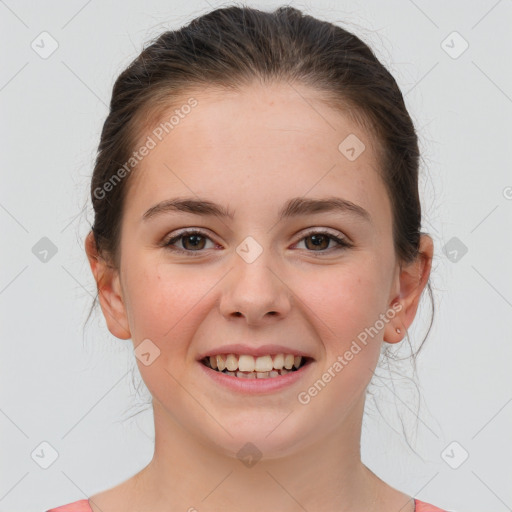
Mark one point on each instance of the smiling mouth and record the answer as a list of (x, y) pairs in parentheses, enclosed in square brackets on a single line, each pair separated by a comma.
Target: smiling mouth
[(274, 372)]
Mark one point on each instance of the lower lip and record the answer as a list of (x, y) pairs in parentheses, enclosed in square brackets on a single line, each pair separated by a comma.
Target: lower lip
[(254, 386)]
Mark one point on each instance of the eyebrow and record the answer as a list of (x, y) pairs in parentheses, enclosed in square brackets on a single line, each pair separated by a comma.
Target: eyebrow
[(293, 208)]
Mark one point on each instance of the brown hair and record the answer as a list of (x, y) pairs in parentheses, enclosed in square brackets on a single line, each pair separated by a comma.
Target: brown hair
[(230, 47)]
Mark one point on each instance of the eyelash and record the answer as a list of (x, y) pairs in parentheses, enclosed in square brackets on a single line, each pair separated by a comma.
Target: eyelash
[(342, 244)]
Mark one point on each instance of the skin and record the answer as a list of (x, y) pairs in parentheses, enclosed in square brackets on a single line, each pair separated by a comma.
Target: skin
[(252, 151)]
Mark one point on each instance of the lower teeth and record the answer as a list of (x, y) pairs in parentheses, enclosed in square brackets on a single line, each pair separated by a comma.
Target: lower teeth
[(258, 375)]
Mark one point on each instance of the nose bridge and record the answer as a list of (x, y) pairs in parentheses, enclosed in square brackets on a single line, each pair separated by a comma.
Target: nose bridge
[(254, 288)]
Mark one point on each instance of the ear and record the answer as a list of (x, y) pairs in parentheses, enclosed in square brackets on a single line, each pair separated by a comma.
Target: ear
[(109, 291), (412, 280)]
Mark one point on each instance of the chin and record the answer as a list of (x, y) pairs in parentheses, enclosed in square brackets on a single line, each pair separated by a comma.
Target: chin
[(257, 436)]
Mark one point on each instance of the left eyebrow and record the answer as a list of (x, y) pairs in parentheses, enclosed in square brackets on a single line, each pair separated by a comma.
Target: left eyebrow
[(293, 208)]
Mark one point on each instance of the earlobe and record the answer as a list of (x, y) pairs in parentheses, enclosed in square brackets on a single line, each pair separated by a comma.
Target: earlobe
[(412, 280), (109, 291), (395, 329)]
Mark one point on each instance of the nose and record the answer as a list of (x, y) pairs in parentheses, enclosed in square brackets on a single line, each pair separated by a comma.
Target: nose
[(256, 292)]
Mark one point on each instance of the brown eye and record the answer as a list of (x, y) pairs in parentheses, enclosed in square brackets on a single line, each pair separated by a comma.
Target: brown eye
[(318, 241), (191, 241)]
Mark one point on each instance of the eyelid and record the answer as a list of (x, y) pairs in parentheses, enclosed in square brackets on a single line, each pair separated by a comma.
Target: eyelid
[(186, 232), (342, 241), (328, 231)]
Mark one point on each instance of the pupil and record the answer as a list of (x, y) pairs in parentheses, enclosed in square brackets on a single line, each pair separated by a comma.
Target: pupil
[(317, 239), (192, 237)]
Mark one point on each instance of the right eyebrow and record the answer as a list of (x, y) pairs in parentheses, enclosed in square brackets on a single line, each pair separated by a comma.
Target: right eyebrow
[(188, 205)]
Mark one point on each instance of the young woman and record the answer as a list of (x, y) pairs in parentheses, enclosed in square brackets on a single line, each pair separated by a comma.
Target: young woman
[(257, 236)]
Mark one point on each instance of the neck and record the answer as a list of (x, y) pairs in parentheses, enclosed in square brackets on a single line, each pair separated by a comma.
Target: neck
[(188, 473)]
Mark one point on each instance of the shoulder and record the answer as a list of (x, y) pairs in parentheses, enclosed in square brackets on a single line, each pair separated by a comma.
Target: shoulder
[(84, 506), (422, 506), (76, 506)]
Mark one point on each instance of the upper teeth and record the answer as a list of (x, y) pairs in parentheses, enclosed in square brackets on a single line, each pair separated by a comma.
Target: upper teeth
[(248, 363)]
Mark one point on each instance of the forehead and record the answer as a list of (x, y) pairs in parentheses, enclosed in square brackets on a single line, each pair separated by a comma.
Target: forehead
[(259, 146)]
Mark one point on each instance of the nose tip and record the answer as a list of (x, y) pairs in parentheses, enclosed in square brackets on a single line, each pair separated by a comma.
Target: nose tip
[(254, 293)]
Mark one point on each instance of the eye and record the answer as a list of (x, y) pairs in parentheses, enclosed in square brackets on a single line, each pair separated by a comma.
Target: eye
[(191, 241), (320, 241), (194, 241)]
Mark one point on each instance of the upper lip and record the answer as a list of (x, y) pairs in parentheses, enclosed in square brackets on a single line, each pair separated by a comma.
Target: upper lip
[(262, 350)]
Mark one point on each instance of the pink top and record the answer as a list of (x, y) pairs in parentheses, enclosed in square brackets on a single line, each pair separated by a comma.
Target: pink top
[(83, 506)]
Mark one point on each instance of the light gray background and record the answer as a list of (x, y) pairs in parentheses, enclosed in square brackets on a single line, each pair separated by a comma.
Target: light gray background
[(72, 388)]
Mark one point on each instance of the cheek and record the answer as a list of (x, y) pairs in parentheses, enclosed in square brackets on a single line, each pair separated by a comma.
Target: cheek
[(343, 305), (161, 301), (344, 301), (164, 304)]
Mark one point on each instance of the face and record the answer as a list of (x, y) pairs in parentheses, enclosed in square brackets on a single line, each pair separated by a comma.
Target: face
[(313, 281)]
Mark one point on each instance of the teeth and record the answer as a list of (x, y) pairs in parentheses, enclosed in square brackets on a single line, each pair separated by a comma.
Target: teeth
[(246, 363), (258, 375), (263, 364), (220, 363), (247, 366), (231, 362), (288, 361), (279, 361)]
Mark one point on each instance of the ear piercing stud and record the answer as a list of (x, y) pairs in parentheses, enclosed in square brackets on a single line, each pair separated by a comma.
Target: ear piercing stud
[(398, 330)]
